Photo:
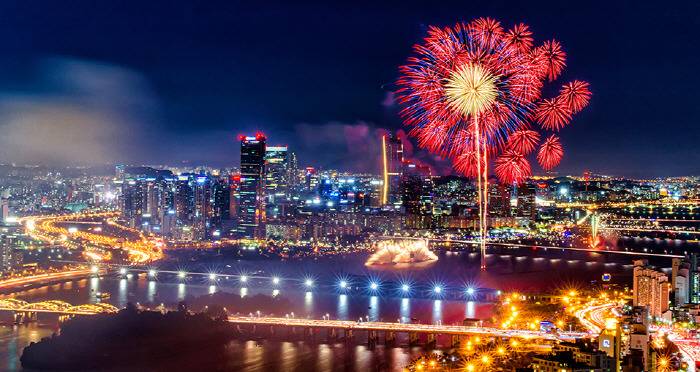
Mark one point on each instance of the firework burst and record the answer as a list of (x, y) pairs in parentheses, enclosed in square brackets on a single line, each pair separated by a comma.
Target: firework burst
[(473, 92), (550, 153)]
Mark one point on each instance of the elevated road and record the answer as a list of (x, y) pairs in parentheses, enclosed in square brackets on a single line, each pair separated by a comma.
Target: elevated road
[(405, 328)]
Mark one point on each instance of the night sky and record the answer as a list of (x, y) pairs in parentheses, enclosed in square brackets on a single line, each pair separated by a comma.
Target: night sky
[(176, 81)]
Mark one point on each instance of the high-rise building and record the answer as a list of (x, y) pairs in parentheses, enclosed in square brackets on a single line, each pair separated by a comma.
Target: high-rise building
[(417, 195), (276, 179), (10, 257), (416, 188), (392, 167), (133, 201), (202, 207), (694, 280), (4, 209), (527, 208), (650, 288), (499, 199), (251, 210)]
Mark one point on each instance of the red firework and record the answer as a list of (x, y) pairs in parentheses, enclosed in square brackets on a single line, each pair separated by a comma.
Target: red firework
[(553, 113), (457, 124), (524, 140), (550, 153), (555, 58), (512, 167), (576, 95), (520, 36)]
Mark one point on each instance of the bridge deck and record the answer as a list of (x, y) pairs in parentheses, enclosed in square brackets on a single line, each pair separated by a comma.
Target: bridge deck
[(404, 328)]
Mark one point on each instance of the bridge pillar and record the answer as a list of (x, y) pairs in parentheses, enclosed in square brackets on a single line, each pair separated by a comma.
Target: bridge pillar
[(372, 338), (348, 335), (456, 341), (432, 340), (18, 317), (310, 333), (332, 334), (272, 330), (255, 328), (413, 338), (389, 338), (33, 316)]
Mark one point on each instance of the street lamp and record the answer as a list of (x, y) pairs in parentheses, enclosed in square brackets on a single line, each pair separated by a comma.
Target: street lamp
[(275, 280), (244, 278), (343, 284), (309, 283), (181, 274), (373, 286), (151, 273), (437, 289)]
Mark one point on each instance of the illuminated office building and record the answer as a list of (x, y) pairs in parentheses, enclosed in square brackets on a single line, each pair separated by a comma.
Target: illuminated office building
[(392, 167), (277, 178), (251, 208)]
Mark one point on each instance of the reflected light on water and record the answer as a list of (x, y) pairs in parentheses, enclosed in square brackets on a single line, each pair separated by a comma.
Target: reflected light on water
[(122, 293), (342, 311), (151, 291), (437, 311), (405, 310), (373, 310), (181, 288), (309, 303)]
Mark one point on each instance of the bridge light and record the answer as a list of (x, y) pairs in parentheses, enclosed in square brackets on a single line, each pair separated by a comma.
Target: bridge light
[(437, 289), (275, 280), (373, 286), (343, 284), (151, 273), (212, 276), (405, 288), (122, 271), (94, 269), (309, 283), (470, 291), (181, 274), (244, 278)]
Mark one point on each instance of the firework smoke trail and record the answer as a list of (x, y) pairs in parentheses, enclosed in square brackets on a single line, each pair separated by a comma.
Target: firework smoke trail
[(472, 92)]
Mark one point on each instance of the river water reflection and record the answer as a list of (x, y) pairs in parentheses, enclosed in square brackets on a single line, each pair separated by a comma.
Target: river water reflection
[(516, 269)]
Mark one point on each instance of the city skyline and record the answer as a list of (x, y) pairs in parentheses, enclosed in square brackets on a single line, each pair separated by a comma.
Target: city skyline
[(93, 93)]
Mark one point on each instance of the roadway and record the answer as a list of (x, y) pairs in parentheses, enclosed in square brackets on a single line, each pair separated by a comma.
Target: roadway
[(45, 278), (405, 328)]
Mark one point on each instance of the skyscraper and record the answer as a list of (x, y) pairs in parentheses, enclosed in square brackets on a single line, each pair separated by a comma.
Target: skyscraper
[(251, 209), (694, 280), (526, 201), (4, 209), (650, 288), (276, 179), (392, 167)]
